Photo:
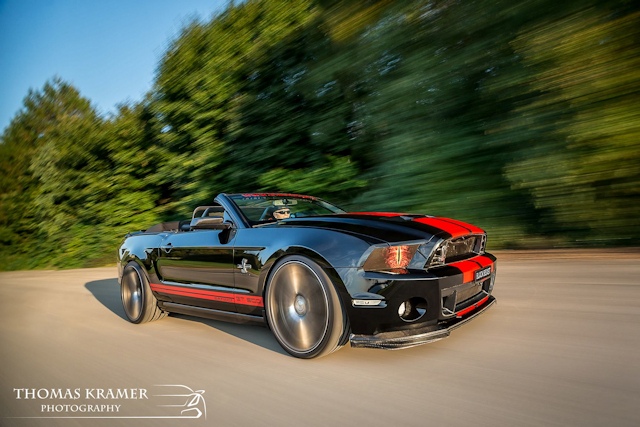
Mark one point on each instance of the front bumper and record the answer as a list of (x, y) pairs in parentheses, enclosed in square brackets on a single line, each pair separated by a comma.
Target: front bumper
[(395, 340)]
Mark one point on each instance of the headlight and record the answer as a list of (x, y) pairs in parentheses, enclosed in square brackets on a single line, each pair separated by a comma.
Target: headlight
[(462, 246), (439, 255), (399, 258), (393, 259)]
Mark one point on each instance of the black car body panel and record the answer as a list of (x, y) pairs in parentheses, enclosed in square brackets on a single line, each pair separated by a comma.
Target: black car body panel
[(226, 270)]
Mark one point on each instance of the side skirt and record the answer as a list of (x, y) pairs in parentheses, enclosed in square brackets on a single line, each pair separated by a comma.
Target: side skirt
[(210, 313)]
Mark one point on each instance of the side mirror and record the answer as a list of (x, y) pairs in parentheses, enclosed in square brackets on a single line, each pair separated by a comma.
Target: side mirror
[(210, 223)]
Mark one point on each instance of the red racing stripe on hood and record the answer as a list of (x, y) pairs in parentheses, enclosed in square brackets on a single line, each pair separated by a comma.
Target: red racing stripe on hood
[(472, 228), (453, 229)]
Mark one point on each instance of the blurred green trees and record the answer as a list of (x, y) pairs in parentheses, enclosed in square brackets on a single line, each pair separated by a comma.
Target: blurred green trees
[(522, 118)]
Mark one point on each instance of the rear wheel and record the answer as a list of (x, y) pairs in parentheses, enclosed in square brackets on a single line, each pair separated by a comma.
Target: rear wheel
[(303, 308), (140, 306)]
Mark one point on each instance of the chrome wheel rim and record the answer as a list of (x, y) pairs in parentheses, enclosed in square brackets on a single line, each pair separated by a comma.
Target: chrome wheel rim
[(298, 307), (132, 293)]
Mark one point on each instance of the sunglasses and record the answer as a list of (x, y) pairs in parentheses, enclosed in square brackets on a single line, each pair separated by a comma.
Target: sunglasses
[(282, 211)]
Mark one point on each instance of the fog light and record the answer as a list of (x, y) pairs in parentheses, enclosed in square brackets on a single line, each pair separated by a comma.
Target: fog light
[(402, 309), (412, 309)]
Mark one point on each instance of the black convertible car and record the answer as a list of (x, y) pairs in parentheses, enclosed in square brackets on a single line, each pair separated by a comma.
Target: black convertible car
[(318, 276)]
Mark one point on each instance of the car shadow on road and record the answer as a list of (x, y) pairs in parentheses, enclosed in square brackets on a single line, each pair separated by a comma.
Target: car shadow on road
[(107, 292), (257, 335)]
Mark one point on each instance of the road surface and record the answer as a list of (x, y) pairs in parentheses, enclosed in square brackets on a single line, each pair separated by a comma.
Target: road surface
[(561, 348)]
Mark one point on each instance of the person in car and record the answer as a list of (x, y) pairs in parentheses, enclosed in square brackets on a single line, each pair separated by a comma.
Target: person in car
[(282, 213)]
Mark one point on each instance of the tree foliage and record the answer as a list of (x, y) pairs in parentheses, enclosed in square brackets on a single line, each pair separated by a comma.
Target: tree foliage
[(522, 118)]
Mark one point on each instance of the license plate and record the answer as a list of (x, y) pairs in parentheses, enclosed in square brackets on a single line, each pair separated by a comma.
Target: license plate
[(483, 274)]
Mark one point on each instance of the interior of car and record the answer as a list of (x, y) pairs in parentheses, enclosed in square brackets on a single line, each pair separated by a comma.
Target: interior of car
[(212, 211)]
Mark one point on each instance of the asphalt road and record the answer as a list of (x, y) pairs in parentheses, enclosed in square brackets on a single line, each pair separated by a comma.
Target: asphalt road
[(561, 347)]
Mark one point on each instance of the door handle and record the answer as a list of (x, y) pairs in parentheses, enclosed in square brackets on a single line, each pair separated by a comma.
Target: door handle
[(166, 248)]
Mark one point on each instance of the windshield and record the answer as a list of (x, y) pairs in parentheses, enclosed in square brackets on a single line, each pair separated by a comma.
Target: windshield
[(261, 208)]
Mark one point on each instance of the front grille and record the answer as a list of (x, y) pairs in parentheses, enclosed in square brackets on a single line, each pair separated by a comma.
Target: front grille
[(462, 296)]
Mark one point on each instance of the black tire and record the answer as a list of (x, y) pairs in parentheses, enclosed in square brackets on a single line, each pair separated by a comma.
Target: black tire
[(303, 309), (139, 303)]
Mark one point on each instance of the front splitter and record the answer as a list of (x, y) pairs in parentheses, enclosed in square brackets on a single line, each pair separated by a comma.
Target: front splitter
[(396, 340)]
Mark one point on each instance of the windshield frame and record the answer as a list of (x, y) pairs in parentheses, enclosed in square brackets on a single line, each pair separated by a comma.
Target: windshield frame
[(250, 223)]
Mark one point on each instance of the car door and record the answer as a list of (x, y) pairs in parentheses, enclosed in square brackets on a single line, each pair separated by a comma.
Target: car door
[(251, 247), (196, 268)]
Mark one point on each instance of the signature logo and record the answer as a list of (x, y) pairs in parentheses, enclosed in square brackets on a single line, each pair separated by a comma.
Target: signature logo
[(192, 401), (177, 401)]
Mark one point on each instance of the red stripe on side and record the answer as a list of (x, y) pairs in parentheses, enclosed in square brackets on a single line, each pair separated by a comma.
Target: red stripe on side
[(472, 228), (190, 290), (249, 300), (196, 293), (453, 229), (209, 295), (473, 307), (375, 213), (220, 298), (467, 268)]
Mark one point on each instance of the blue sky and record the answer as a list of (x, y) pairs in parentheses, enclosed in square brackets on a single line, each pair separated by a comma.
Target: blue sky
[(107, 49)]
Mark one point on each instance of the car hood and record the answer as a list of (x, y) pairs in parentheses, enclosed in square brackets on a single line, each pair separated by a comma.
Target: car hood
[(387, 227)]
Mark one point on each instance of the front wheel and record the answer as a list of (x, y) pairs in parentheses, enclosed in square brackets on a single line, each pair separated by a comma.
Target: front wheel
[(303, 308), (139, 303)]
